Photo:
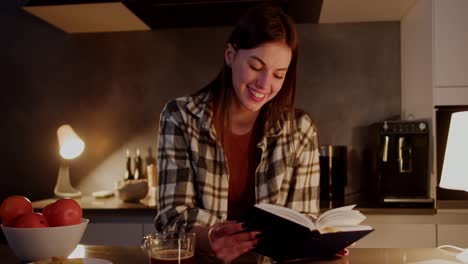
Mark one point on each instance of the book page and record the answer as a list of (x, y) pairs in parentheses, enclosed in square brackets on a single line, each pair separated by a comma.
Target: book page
[(345, 228), (288, 213), (340, 217)]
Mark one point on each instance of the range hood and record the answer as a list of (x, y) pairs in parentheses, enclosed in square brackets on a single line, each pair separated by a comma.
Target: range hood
[(84, 16)]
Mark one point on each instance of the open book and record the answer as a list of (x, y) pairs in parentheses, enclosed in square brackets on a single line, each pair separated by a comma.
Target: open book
[(337, 219), (288, 234)]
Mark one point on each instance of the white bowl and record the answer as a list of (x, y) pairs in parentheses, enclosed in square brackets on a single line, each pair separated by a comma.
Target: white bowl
[(132, 190), (31, 244)]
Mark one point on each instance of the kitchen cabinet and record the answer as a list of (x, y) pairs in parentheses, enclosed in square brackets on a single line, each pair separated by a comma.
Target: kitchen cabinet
[(400, 235), (113, 234), (450, 43), (393, 230), (434, 56), (120, 224), (148, 229), (434, 63), (452, 227), (450, 52), (452, 234), (400, 230), (118, 228)]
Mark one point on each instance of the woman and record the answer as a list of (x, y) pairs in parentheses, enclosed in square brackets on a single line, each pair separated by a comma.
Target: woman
[(239, 141)]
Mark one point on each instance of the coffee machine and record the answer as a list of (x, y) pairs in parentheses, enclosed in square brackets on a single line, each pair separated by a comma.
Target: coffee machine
[(399, 164), (333, 175)]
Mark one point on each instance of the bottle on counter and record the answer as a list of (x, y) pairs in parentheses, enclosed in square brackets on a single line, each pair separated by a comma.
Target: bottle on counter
[(150, 159), (138, 174), (151, 175), (128, 171)]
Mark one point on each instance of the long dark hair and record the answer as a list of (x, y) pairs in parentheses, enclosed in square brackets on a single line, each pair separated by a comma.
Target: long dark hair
[(259, 25)]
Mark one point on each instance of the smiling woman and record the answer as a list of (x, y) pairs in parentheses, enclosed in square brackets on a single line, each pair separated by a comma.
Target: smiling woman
[(239, 141), (258, 75)]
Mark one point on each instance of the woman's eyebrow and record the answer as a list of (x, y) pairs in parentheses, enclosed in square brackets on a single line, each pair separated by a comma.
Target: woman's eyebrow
[(263, 63)]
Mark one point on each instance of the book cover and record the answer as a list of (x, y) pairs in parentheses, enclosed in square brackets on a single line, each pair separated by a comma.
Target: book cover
[(284, 239)]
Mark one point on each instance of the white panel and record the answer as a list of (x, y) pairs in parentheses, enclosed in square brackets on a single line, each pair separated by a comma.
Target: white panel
[(451, 95), (113, 234), (456, 235), (400, 236), (416, 62), (451, 42), (417, 71)]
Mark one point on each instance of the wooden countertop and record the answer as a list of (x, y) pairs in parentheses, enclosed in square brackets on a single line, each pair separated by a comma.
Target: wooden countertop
[(112, 204), (448, 206), (134, 255), (105, 209)]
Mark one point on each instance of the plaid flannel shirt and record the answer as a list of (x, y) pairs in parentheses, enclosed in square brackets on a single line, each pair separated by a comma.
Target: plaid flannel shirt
[(193, 174)]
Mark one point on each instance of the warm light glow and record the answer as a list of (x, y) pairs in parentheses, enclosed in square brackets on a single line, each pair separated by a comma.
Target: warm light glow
[(79, 252), (71, 146), (455, 168)]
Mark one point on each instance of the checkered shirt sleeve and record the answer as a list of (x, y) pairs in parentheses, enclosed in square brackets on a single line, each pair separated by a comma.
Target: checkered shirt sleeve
[(176, 174), (192, 171)]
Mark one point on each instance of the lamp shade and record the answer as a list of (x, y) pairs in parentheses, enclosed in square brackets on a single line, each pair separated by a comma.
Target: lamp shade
[(71, 146), (455, 168)]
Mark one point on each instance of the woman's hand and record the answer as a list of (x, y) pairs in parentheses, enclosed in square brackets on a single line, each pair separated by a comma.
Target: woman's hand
[(228, 241)]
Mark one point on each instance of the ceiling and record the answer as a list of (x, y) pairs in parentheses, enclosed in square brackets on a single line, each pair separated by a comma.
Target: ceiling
[(82, 16)]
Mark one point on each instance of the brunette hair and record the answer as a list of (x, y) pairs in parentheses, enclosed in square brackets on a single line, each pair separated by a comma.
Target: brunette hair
[(259, 25)]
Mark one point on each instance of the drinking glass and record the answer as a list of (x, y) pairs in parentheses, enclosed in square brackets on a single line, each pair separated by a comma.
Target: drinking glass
[(170, 248)]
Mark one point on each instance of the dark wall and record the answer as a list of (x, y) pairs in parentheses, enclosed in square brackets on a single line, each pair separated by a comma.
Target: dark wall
[(111, 87), (349, 77)]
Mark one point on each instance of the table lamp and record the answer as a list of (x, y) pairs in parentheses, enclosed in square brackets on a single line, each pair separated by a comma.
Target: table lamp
[(71, 146), (454, 169)]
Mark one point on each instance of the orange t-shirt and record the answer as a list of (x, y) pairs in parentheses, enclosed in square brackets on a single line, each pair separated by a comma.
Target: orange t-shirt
[(240, 153)]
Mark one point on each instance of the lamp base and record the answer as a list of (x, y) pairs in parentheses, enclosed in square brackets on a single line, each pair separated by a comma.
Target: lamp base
[(63, 187)]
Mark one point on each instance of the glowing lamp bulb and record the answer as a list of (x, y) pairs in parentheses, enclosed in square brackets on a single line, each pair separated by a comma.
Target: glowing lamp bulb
[(71, 146)]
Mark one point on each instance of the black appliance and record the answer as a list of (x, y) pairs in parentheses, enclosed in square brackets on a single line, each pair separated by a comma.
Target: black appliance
[(333, 168), (399, 157)]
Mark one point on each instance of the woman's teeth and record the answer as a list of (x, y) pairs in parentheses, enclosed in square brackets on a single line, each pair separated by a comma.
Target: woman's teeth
[(258, 95)]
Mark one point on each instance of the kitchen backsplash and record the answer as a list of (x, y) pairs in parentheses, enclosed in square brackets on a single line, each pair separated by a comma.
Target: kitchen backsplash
[(111, 87)]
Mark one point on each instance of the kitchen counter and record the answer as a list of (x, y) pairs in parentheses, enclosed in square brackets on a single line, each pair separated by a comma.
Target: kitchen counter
[(102, 209), (112, 221), (134, 255), (109, 203), (452, 206), (117, 223), (113, 204)]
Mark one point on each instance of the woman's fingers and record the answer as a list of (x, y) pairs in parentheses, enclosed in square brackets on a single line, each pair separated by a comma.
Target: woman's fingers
[(228, 254), (229, 241), (225, 229)]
